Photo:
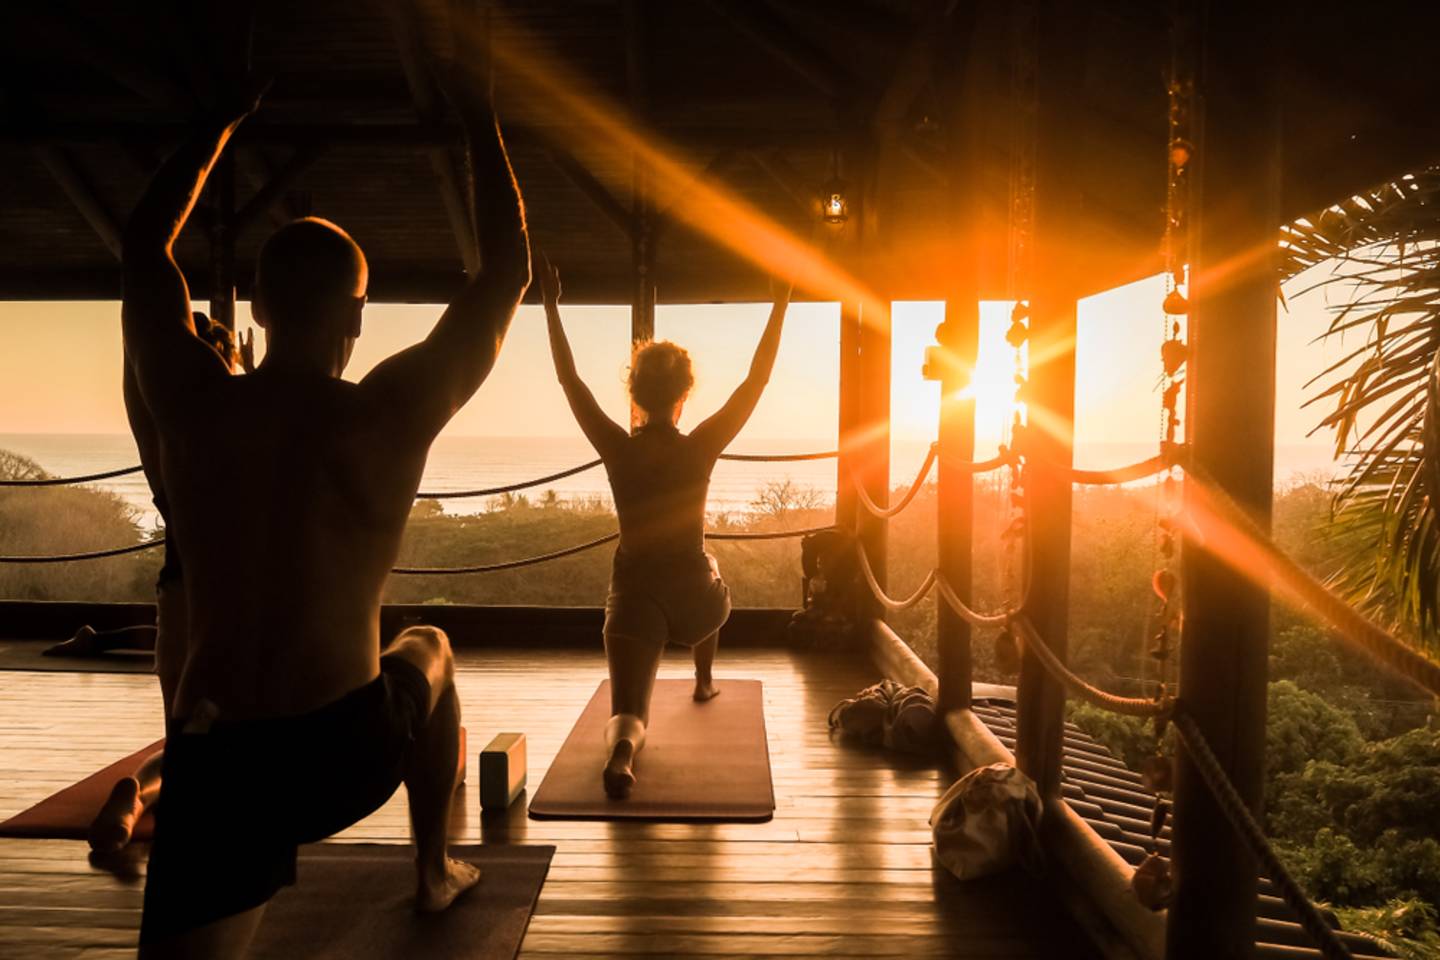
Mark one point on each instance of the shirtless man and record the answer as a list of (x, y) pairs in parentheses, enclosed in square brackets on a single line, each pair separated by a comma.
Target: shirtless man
[(288, 723)]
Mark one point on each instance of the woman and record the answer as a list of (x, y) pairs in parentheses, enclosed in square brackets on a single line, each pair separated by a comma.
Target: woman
[(664, 585)]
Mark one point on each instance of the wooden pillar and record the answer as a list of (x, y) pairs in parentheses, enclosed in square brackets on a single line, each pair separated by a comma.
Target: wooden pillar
[(1049, 441), (847, 464), (642, 225), (1231, 398), (872, 425), (959, 340), (222, 242)]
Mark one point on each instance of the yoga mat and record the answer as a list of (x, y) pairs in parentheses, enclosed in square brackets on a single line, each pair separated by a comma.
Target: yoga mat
[(67, 815), (357, 902), (26, 655), (702, 761)]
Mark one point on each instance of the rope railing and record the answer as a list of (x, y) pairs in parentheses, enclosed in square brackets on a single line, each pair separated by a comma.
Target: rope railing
[(435, 571), (506, 564), (64, 481), (1235, 810), (883, 598), (1004, 458), (885, 513), (1032, 642), (965, 612), (445, 494), (92, 555)]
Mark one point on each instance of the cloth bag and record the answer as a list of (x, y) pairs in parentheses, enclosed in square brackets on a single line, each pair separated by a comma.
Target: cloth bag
[(986, 823), (888, 713)]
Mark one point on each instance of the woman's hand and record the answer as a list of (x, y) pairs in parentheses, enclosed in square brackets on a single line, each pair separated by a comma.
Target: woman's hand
[(549, 284)]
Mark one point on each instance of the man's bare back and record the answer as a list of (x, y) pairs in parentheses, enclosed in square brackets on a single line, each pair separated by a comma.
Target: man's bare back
[(285, 603)]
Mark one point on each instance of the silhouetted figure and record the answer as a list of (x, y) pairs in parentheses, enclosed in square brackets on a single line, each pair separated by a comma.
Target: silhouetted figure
[(133, 795), (664, 586), (288, 723)]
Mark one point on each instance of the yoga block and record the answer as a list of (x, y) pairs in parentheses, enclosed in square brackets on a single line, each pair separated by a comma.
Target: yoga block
[(502, 771)]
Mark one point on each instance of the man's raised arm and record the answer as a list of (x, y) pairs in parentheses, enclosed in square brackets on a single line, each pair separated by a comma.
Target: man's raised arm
[(160, 341), (426, 384)]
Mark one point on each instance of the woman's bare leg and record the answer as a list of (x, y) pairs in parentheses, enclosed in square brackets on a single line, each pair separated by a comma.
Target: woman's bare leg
[(633, 664), (705, 688)]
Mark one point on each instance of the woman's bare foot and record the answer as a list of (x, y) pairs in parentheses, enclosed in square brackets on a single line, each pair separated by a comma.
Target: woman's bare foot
[(83, 644), (116, 821), (438, 891), (620, 771), (705, 690)]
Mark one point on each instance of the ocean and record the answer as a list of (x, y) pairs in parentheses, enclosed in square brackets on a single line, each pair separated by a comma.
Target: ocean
[(459, 463)]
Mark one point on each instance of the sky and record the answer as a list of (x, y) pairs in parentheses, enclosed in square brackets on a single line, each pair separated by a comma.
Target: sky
[(60, 367)]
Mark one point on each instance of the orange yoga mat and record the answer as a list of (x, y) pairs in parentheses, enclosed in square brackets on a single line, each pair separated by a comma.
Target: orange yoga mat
[(67, 815), (702, 761)]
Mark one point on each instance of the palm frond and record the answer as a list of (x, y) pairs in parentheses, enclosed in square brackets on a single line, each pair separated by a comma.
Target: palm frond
[(1382, 248)]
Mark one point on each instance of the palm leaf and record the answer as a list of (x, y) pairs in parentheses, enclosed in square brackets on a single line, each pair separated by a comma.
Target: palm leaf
[(1382, 249)]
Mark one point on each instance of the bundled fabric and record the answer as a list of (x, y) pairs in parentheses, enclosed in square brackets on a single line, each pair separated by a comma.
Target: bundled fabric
[(987, 822), (889, 713)]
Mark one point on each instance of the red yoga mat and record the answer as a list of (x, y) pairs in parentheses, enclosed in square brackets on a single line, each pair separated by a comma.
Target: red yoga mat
[(67, 815)]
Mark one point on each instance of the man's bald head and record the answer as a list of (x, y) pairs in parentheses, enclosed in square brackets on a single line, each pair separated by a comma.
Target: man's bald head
[(309, 270)]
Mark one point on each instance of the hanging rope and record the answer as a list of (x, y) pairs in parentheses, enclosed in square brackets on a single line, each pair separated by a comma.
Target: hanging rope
[(1235, 810), (885, 513), (93, 555), (1129, 473), (883, 598), (970, 616), (509, 488), (505, 565), (1129, 706), (65, 481), (1001, 459), (779, 457), (770, 534)]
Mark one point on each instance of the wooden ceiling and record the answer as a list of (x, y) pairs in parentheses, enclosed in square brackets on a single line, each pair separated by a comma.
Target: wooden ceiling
[(755, 96)]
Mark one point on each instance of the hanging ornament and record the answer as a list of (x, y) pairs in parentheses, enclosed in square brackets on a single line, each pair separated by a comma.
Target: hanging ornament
[(1176, 304), (1152, 883)]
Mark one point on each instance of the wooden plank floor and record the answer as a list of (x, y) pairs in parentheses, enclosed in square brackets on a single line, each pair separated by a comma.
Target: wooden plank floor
[(844, 869)]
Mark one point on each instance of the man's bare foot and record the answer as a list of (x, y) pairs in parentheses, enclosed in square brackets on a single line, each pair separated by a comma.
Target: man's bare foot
[(81, 645), (705, 690), (116, 821), (436, 892), (620, 771)]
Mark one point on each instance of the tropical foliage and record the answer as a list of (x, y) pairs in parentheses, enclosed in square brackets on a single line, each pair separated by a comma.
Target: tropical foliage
[(1382, 398)]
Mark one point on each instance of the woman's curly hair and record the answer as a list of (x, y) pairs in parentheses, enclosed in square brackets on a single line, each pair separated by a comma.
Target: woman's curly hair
[(660, 376)]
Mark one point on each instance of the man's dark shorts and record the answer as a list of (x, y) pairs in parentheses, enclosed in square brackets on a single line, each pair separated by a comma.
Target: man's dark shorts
[(236, 801)]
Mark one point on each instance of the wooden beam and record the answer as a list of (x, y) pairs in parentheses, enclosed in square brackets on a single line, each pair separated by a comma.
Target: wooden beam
[(595, 191), (109, 55), (642, 214), (82, 195), (273, 192), (912, 72), (1230, 391), (429, 107), (759, 21)]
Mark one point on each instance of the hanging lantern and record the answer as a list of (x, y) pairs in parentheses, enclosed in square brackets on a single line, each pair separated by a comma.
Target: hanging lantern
[(834, 208)]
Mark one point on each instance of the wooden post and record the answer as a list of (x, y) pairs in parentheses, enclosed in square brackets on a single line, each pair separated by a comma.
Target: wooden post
[(222, 243), (847, 463), (1049, 441), (642, 247), (959, 340), (872, 447), (1231, 398)]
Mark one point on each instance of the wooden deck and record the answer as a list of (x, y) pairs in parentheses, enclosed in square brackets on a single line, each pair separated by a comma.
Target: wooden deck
[(844, 869)]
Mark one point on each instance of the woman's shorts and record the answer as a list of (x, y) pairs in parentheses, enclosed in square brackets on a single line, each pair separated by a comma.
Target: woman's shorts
[(677, 599)]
